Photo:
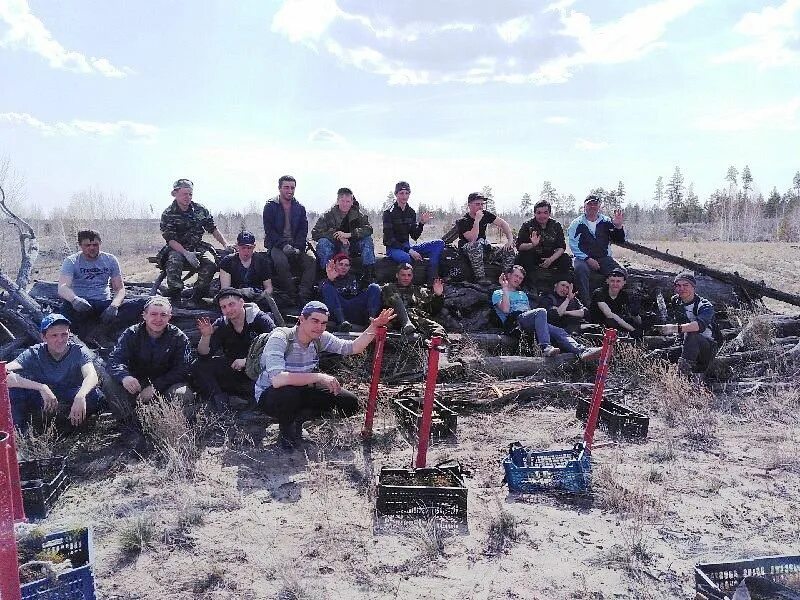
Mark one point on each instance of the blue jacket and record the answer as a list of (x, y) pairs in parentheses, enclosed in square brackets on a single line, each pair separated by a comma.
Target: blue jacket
[(585, 245), (273, 225)]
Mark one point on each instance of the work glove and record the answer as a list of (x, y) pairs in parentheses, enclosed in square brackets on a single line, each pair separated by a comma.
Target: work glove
[(192, 259), (109, 314), (81, 305), (290, 250)]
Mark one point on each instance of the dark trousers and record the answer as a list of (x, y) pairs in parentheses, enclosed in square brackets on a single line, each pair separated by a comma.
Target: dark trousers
[(214, 375), (284, 265), (130, 312), (698, 351), (530, 260), (27, 404), (356, 310), (302, 403)]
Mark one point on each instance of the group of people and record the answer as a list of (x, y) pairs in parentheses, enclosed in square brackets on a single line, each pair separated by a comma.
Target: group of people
[(152, 356)]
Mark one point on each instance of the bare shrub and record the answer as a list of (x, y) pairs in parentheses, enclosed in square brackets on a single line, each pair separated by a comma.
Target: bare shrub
[(756, 331), (431, 536), (663, 451), (33, 445), (175, 439), (504, 530), (292, 588), (214, 577), (612, 495), (683, 402), (630, 365)]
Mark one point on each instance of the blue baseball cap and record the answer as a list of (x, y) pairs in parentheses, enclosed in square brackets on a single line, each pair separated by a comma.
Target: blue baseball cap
[(314, 306), (245, 238), (53, 319)]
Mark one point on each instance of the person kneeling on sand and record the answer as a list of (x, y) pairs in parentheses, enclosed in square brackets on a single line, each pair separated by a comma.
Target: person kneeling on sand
[(290, 387), (514, 310)]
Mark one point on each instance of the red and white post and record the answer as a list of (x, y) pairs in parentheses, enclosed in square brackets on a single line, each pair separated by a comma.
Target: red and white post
[(434, 348), (599, 386)]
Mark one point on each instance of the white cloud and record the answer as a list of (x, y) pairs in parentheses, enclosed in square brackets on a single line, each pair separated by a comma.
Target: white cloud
[(326, 136), (557, 120), (775, 35), (516, 41), (591, 145), (784, 116), (77, 127), (27, 32)]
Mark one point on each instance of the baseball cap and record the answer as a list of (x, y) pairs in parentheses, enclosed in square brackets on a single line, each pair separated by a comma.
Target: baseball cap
[(592, 198), (402, 185), (229, 291), (618, 272), (314, 306), (476, 196), (245, 238), (53, 319), (182, 183), (686, 276)]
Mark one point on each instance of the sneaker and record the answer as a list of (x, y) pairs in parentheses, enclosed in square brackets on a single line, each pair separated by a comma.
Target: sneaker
[(345, 326), (591, 353), (548, 351)]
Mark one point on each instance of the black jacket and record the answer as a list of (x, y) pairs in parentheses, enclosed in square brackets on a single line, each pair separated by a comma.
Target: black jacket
[(162, 361), (399, 225)]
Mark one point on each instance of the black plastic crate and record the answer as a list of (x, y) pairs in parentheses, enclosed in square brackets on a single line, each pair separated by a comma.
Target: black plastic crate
[(433, 491), (530, 471), (409, 412), (615, 419), (75, 584), (718, 581), (42, 482)]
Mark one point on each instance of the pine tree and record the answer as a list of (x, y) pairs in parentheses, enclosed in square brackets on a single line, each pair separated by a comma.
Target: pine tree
[(747, 179), (490, 204), (675, 197), (732, 176), (387, 204), (526, 206), (548, 193), (658, 195), (693, 211), (773, 204)]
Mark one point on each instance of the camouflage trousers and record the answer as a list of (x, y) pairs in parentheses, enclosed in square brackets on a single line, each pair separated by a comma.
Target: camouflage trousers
[(481, 252), (176, 264), (426, 325)]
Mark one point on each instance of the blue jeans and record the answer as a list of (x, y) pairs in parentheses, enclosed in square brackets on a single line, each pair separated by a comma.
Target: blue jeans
[(356, 310), (327, 249), (582, 270), (433, 250), (130, 311), (25, 403), (535, 322)]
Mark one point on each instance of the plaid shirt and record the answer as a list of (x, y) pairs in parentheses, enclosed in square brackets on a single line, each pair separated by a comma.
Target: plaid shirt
[(399, 225)]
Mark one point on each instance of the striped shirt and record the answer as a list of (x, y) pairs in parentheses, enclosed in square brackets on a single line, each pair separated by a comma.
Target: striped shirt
[(300, 359)]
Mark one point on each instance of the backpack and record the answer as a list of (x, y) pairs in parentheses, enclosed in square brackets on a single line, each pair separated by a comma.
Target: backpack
[(716, 332), (252, 365)]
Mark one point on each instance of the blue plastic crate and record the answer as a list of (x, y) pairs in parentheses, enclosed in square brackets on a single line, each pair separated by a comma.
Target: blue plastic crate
[(530, 471), (75, 584)]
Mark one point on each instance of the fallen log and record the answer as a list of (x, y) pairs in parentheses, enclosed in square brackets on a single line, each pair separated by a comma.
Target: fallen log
[(505, 367), (746, 289)]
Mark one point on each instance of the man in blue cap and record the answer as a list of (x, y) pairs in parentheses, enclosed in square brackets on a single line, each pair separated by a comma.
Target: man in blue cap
[(55, 377), (290, 387)]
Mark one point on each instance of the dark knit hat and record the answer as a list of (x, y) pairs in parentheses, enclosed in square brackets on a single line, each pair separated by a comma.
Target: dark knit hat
[(401, 185), (686, 276)]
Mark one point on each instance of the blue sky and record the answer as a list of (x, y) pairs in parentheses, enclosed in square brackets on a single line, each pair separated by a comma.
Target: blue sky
[(450, 95)]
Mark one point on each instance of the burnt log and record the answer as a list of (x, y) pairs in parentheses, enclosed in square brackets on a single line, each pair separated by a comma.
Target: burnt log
[(505, 367)]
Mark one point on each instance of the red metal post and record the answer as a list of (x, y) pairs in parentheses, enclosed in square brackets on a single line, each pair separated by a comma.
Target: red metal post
[(599, 385), (7, 425), (9, 568), (372, 401), (427, 401)]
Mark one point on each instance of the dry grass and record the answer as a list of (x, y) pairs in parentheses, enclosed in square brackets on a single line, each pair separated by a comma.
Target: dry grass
[(177, 442), (137, 534), (504, 531), (38, 445)]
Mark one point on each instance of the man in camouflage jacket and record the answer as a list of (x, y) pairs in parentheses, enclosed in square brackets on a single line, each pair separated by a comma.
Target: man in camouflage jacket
[(182, 225), (415, 305)]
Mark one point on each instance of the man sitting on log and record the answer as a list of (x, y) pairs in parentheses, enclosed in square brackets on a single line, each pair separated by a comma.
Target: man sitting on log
[(290, 387), (415, 306), (612, 306), (151, 357), (91, 285), (590, 236), (222, 350), (472, 238), (564, 308), (542, 246), (695, 322), (285, 233), (55, 377), (400, 224), (345, 229), (514, 311), (344, 296), (182, 226), (251, 273)]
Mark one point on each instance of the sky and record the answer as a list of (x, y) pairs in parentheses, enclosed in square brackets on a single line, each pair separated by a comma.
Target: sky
[(449, 95)]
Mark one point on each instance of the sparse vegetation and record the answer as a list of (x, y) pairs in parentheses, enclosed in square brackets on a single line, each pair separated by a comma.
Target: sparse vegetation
[(504, 531), (177, 442), (136, 535)]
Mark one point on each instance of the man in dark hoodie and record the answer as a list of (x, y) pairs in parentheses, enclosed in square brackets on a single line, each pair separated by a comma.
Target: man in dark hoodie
[(590, 236), (223, 346), (150, 357), (399, 224), (564, 308), (344, 228), (285, 233), (345, 298)]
